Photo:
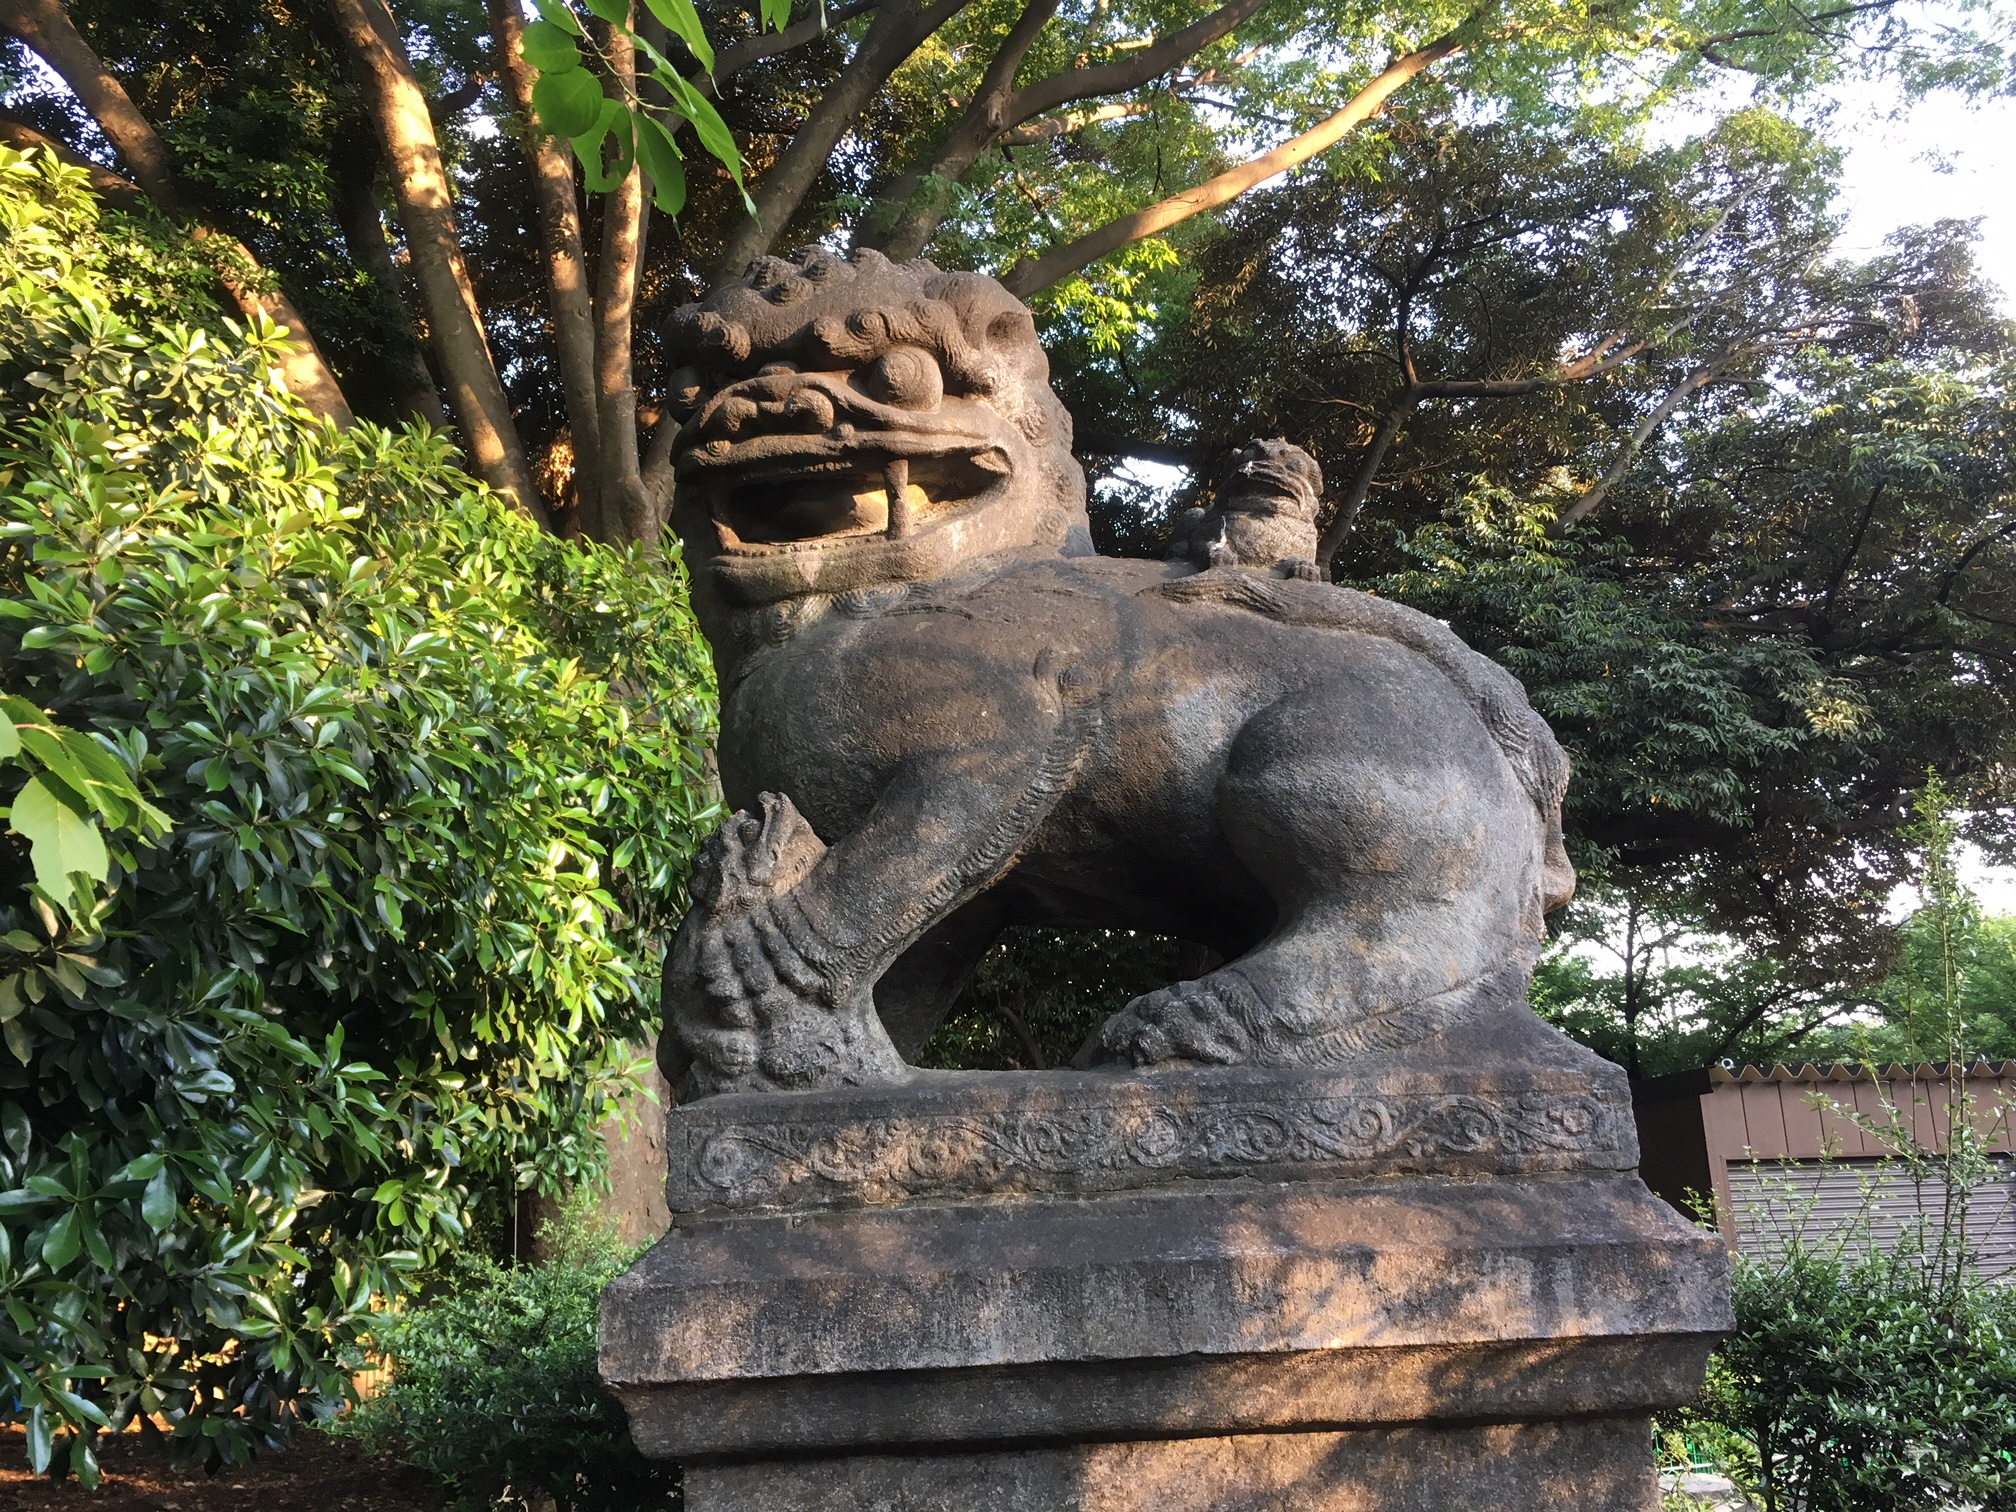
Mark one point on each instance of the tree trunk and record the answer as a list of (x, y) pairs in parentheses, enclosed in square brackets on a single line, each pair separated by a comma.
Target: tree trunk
[(1026, 277), (46, 27), (625, 513), (426, 209), (364, 237), (568, 299)]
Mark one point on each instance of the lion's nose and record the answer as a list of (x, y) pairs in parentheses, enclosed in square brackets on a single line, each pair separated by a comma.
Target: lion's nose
[(733, 416), (810, 410)]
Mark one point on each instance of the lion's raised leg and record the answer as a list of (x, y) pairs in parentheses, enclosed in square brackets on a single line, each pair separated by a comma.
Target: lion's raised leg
[(1405, 861)]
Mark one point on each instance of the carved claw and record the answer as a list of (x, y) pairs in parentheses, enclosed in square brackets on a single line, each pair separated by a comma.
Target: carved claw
[(1298, 568), (1188, 1021)]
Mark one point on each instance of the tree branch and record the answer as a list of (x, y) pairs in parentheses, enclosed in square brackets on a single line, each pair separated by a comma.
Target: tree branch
[(46, 27), (1025, 278), (999, 107), (1361, 482), (731, 60), (898, 30), (1695, 381), (1088, 441), (1030, 133), (120, 193), (1151, 62)]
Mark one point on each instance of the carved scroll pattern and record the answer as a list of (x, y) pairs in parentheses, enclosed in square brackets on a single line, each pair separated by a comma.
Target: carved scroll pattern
[(885, 1159)]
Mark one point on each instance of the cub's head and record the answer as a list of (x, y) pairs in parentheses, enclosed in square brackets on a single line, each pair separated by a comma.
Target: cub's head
[(859, 423), (1272, 477)]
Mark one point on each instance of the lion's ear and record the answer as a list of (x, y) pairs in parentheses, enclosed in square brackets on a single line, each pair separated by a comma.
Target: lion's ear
[(685, 392), (1011, 328)]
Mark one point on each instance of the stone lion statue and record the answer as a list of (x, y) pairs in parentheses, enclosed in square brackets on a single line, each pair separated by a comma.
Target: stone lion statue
[(1265, 518), (943, 713)]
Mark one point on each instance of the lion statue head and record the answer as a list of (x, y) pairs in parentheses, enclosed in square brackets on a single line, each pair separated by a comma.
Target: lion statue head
[(857, 423)]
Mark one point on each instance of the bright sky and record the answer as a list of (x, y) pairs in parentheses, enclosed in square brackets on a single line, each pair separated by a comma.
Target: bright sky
[(1946, 158)]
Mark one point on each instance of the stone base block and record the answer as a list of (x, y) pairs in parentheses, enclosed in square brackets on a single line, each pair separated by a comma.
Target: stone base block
[(1579, 1465)]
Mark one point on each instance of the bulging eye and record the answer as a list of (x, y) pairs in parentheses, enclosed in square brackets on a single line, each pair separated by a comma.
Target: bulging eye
[(907, 377)]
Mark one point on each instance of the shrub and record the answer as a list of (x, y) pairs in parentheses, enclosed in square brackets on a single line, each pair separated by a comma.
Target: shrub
[(347, 810), (494, 1387), (1856, 1380)]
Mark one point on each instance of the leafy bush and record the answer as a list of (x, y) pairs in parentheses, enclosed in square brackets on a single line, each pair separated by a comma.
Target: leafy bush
[(494, 1387), (348, 809), (1856, 1382)]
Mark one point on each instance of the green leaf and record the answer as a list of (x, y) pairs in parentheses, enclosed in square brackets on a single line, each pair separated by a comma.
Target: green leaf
[(15, 1128), (140, 1168), (10, 742), (660, 156), (550, 48), (683, 21), (157, 1203), (568, 104), (41, 1442), (616, 121), (64, 1240), (561, 15), (711, 129), (615, 12), (61, 840), (20, 1042), (83, 1459)]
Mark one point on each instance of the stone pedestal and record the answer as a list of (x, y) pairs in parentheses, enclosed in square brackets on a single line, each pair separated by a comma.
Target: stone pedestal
[(1383, 1287)]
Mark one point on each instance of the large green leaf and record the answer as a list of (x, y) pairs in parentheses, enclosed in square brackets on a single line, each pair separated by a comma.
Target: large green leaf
[(683, 21), (61, 840), (613, 122), (550, 48), (64, 1241), (568, 104), (659, 154)]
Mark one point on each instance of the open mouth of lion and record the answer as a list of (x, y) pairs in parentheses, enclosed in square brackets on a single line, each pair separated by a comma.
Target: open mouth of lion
[(789, 500)]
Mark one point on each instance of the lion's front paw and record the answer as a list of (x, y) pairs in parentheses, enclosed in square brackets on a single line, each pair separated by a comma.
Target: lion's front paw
[(1187, 1021), (1300, 569)]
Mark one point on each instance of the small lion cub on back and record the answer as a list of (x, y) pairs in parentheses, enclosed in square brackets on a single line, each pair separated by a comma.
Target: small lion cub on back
[(1265, 520)]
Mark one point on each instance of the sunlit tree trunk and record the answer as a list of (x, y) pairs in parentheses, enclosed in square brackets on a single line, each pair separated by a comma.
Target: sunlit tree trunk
[(569, 302), (356, 206), (625, 513), (426, 209)]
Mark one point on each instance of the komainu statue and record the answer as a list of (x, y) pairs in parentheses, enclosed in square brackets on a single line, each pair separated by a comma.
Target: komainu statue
[(1265, 518), (943, 713)]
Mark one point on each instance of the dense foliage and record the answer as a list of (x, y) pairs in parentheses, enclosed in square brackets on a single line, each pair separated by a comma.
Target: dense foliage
[(1856, 1381), (494, 1387), (356, 808), (1038, 994)]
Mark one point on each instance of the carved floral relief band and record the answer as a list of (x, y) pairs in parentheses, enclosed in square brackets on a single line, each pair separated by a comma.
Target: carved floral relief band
[(1136, 1135)]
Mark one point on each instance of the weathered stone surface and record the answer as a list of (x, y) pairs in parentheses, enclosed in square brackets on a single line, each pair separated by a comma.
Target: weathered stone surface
[(1339, 1224), (1337, 1274), (1590, 1465), (941, 713), (1009, 1133), (1181, 1395), (1265, 519)]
